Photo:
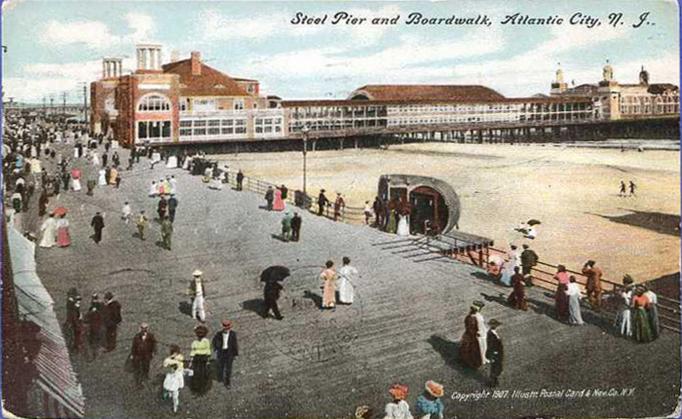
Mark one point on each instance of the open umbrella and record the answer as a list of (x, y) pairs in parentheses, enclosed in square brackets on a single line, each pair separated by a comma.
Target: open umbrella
[(59, 211), (274, 273), (75, 173), (533, 222)]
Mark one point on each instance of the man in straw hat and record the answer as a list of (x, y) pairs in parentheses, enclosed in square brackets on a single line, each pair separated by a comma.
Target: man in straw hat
[(495, 352), (197, 292), (429, 403), (226, 348)]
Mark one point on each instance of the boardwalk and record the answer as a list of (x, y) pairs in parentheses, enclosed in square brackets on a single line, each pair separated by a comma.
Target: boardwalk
[(403, 326)]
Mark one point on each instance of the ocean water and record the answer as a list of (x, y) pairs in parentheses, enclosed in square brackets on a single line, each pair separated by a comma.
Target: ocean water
[(628, 144)]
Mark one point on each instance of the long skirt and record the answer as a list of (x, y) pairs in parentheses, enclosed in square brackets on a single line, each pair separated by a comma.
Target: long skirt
[(329, 294), (470, 352), (392, 225), (574, 315), (623, 323), (561, 301), (200, 381), (278, 204), (63, 237), (76, 184), (641, 328), (517, 299), (653, 320), (345, 291)]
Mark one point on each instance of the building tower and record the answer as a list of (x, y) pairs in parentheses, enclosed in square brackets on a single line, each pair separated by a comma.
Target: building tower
[(609, 94), (148, 57), (558, 86), (644, 77)]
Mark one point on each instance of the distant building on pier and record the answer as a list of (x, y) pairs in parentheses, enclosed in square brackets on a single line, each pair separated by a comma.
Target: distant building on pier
[(614, 100)]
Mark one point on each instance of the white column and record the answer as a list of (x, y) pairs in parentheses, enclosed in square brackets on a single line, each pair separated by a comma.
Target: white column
[(109, 69), (120, 68), (139, 59), (104, 72)]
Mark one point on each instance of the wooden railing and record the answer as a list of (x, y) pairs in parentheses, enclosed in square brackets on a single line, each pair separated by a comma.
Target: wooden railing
[(543, 276)]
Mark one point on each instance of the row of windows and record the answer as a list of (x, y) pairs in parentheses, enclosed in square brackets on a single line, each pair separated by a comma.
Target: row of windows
[(203, 127), (153, 103), (153, 130), (268, 125)]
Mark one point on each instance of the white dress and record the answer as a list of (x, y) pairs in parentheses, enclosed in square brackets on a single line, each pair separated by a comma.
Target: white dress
[(401, 410), (172, 162), (75, 152), (174, 380), (76, 184), (49, 229), (102, 180), (347, 276), (173, 185), (403, 227), (482, 336), (95, 160)]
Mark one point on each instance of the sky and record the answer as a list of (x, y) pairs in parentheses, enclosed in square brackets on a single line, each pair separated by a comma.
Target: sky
[(52, 46)]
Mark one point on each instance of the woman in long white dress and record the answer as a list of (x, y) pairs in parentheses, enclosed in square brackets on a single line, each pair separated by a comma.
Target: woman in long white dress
[(102, 179), (95, 160), (153, 189), (49, 229), (174, 379), (347, 278), (76, 181), (573, 292), (403, 226)]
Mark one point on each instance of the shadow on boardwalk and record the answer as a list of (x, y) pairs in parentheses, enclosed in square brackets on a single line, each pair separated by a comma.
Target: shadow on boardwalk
[(449, 351)]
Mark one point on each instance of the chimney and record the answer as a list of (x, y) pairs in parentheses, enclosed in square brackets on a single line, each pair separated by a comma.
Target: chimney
[(196, 63)]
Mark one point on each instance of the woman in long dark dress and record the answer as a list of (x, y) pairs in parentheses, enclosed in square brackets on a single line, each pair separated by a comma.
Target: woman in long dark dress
[(641, 328), (517, 298), (561, 298), (200, 381)]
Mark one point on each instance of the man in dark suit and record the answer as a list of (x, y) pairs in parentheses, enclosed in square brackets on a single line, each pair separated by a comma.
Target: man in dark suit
[(271, 295), (98, 224), (111, 313), (225, 347), (296, 227), (172, 205), (142, 352), (495, 352)]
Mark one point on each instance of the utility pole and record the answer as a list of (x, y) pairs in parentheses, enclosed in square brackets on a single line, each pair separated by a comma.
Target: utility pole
[(85, 103), (44, 104), (64, 105), (52, 104)]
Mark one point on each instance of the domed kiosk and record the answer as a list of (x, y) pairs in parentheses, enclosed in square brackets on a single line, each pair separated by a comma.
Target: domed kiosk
[(434, 207)]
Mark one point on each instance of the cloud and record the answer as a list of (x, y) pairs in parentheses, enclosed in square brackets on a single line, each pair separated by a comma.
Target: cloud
[(213, 25), (95, 34), (40, 80), (91, 33)]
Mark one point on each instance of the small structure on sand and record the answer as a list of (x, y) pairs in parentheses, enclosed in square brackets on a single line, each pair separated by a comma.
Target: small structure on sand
[(432, 204)]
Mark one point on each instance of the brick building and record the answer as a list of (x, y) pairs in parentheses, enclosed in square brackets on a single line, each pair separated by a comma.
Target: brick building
[(166, 103)]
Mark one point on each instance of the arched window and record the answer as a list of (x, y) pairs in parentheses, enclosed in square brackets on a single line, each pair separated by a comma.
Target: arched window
[(153, 103)]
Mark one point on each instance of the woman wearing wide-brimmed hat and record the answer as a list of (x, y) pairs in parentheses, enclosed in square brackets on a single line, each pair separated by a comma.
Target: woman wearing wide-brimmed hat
[(398, 407), (199, 355), (429, 405)]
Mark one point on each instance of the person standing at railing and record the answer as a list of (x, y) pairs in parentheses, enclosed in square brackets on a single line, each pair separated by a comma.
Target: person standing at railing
[(640, 317), (339, 205), (593, 287), (652, 311), (573, 293), (240, 179), (517, 298), (322, 201), (560, 297), (269, 197), (624, 316), (528, 259), (278, 204)]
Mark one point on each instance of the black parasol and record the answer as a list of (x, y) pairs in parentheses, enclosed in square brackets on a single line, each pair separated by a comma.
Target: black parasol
[(533, 222), (274, 273)]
